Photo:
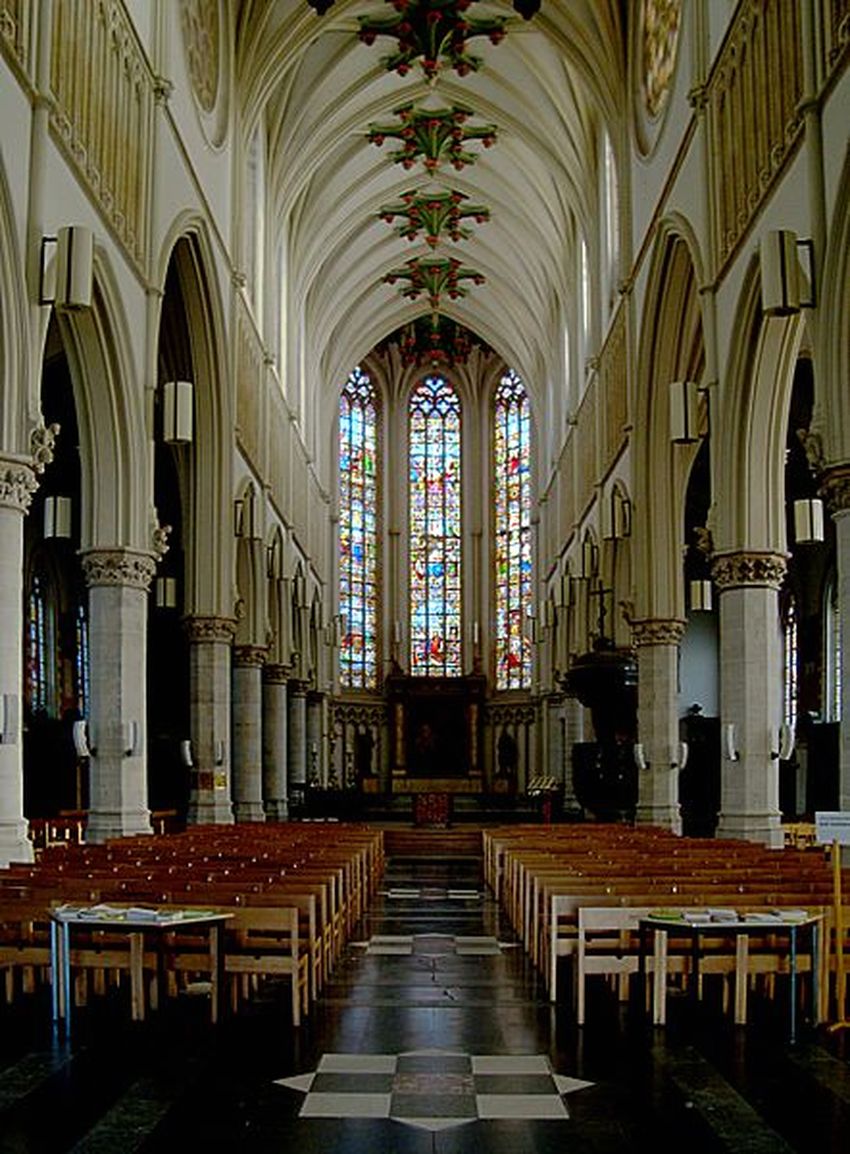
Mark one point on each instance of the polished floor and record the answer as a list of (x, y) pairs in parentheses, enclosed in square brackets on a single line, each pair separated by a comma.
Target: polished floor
[(434, 1038)]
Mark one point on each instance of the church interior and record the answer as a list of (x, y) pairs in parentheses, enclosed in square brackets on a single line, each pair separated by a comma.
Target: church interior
[(424, 533)]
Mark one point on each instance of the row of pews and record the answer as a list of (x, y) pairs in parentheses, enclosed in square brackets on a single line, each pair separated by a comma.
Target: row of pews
[(293, 893), (578, 892)]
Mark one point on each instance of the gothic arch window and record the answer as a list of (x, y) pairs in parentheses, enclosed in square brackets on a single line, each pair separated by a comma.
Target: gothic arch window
[(41, 647), (512, 531), (789, 661), (434, 493), (358, 532)]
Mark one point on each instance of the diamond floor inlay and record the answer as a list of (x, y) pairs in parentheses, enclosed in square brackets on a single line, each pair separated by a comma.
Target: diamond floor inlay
[(434, 1089)]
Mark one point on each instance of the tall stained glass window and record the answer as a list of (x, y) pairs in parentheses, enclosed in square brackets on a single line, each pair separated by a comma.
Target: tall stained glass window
[(512, 499), (435, 529), (789, 663), (358, 502)]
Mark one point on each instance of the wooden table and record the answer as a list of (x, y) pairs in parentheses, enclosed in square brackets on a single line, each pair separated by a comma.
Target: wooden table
[(137, 923), (741, 928)]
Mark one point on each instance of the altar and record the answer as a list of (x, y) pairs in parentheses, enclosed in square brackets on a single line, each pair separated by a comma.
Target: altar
[(436, 733)]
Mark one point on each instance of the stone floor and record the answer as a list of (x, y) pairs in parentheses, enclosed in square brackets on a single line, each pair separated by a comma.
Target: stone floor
[(433, 1038)]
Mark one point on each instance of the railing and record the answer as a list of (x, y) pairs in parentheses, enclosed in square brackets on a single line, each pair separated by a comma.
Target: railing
[(754, 120), (103, 101)]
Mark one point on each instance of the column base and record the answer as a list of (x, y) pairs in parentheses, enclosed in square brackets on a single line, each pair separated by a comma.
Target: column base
[(665, 816), (277, 810), (15, 845), (765, 828), (104, 824), (209, 809), (248, 811)]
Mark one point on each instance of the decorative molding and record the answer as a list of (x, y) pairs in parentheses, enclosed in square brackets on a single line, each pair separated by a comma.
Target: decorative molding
[(513, 714), (347, 713), (734, 570), (209, 629), (657, 631), (17, 485), (42, 441), (835, 489), (249, 656), (123, 567)]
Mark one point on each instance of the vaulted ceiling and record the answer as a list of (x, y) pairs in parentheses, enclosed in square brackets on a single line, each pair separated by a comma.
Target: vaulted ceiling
[(546, 87)]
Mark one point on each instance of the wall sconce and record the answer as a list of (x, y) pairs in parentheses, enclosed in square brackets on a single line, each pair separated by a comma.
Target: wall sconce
[(243, 516), (684, 411), (57, 517), (165, 592), (476, 633), (177, 412), (701, 596), (589, 558), (546, 613), (619, 515), (779, 266), (300, 591), (9, 718), (565, 590), (808, 521), (339, 629), (67, 282)]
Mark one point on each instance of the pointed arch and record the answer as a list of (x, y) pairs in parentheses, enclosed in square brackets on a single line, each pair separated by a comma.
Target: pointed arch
[(672, 348)]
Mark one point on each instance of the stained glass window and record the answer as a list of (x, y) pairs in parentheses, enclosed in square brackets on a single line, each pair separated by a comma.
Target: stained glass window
[(37, 648), (358, 435), (789, 663), (832, 649), (81, 660), (435, 529), (512, 499)]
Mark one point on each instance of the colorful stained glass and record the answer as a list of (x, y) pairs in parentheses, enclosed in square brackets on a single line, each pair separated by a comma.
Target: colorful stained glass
[(358, 558), (512, 499), (435, 529)]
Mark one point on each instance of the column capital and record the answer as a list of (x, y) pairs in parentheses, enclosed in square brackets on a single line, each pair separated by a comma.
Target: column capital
[(210, 628), (657, 631), (835, 489), (748, 568), (275, 674), (17, 484), (249, 656), (298, 687), (118, 567)]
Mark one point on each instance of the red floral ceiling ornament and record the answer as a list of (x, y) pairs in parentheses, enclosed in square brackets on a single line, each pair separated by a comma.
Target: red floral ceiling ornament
[(435, 214), (433, 339), (434, 276), (433, 136), (434, 32)]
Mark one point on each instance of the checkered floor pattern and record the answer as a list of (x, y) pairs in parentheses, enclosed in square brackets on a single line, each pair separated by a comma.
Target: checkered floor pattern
[(434, 1089)]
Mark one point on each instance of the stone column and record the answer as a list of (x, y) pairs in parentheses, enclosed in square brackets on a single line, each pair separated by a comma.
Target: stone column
[(247, 690), (297, 739), (314, 739), (274, 742), (210, 639), (118, 582), (657, 642), (750, 694), (835, 487), (17, 485)]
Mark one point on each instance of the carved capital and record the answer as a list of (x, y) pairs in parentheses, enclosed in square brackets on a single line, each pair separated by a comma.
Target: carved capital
[(733, 570), (275, 674), (835, 489), (118, 567), (42, 440), (159, 539), (210, 629), (249, 656), (298, 688), (17, 485), (657, 631)]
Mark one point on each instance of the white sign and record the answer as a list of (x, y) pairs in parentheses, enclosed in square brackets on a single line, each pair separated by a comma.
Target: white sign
[(833, 825)]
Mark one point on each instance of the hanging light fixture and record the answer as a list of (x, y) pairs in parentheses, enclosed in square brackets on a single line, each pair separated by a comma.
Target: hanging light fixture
[(165, 592), (808, 520), (177, 405), (57, 517), (700, 595)]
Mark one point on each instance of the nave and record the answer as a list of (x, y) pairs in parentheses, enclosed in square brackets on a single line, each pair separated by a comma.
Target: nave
[(432, 1037)]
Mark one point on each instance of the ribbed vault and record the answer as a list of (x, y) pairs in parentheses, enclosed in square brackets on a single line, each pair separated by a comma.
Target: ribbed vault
[(547, 87)]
